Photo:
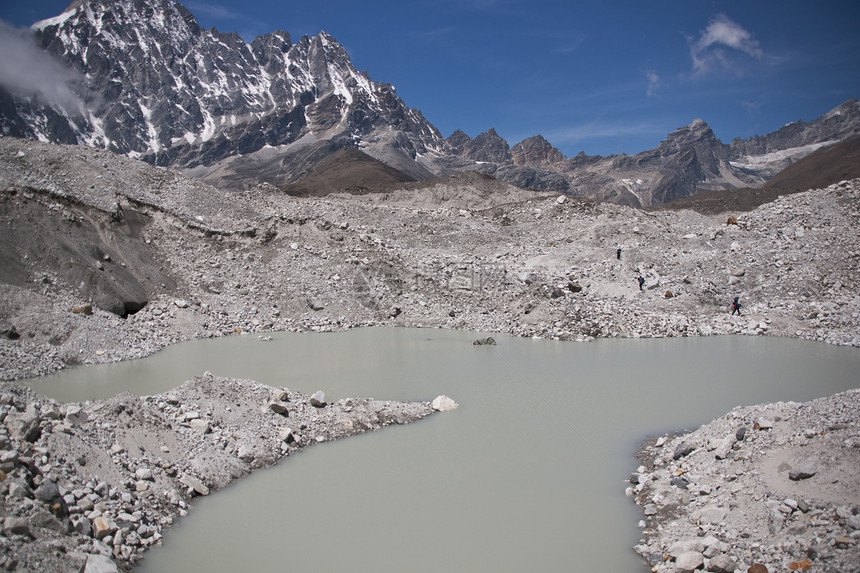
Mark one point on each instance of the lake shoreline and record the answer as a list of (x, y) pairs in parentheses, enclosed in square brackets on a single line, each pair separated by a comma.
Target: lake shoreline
[(772, 484), (95, 484)]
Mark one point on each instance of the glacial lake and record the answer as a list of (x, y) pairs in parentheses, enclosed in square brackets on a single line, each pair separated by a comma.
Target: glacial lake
[(527, 475)]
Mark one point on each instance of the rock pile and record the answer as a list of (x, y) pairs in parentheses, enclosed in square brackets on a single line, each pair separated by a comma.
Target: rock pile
[(775, 486), (95, 484)]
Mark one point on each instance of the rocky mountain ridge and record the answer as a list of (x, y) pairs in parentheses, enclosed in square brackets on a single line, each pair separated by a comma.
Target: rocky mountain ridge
[(150, 83)]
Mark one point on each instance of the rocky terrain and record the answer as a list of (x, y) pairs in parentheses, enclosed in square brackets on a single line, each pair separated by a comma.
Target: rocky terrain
[(88, 487), (105, 258), (764, 488)]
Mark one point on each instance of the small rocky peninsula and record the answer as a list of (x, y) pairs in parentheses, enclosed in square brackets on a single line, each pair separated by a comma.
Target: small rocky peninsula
[(106, 259)]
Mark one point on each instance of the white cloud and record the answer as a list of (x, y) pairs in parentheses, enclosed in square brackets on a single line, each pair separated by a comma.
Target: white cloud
[(709, 52), (653, 83), (26, 70)]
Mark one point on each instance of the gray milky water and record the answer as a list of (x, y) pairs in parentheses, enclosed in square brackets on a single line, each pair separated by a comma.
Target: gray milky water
[(528, 474)]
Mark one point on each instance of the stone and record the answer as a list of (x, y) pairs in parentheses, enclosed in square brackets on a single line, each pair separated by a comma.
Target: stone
[(200, 426), (19, 489), (725, 447), (181, 303), (246, 453), (75, 415), (527, 277), (689, 561), (278, 408), (100, 564), (682, 450), (16, 525), (722, 564), (102, 527), (318, 399), (194, 483), (85, 309), (685, 546), (24, 426), (144, 474), (757, 568), (286, 435), (47, 491), (805, 470), (488, 341), (443, 403)]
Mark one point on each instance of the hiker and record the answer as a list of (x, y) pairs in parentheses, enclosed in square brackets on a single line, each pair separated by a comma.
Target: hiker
[(618, 253), (736, 306), (641, 282)]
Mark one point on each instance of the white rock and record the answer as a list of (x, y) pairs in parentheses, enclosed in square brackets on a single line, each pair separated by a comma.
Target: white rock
[(443, 403)]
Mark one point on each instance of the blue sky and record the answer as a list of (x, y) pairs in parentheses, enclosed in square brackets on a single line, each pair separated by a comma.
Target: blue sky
[(601, 77)]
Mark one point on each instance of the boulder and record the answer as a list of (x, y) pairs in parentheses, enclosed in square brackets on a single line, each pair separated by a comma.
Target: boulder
[(444, 404), (76, 415), (24, 426), (527, 277), (16, 526), (722, 564), (100, 564), (805, 470), (318, 399), (278, 408), (682, 450), (725, 447), (685, 546), (488, 341), (86, 309), (689, 561), (246, 453), (48, 491), (286, 435), (194, 483), (102, 527), (144, 474), (200, 426)]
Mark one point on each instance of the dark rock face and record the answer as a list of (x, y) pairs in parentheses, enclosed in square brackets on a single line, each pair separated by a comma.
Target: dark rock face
[(537, 152), (486, 147), (158, 86), (840, 123)]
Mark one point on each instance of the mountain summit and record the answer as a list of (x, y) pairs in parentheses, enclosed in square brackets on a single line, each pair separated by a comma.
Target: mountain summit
[(155, 85), (141, 78)]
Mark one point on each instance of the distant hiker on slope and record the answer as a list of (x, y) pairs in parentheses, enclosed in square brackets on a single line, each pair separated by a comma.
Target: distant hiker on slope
[(641, 282), (618, 253), (736, 306)]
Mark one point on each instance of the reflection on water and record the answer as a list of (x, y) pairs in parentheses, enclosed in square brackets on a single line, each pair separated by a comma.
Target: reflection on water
[(527, 475)]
